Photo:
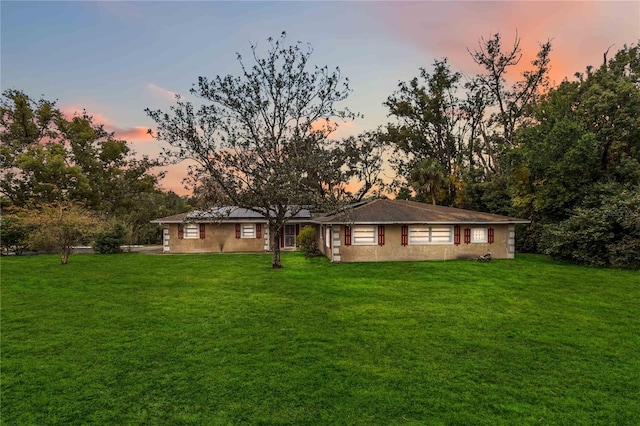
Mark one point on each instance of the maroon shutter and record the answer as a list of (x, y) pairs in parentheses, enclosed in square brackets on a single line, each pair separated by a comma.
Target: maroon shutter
[(297, 229), (258, 230), (490, 236), (456, 235), (404, 240), (238, 230), (282, 237), (467, 235), (347, 235), (180, 231), (381, 235), (202, 231)]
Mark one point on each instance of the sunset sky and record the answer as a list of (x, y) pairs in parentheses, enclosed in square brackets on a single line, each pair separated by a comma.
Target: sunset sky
[(117, 58)]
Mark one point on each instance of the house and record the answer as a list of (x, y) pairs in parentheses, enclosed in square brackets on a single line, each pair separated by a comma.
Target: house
[(226, 229), (399, 230), (370, 231)]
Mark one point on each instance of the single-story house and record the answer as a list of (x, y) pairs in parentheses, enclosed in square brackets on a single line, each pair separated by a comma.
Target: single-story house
[(226, 229), (370, 231), (399, 230)]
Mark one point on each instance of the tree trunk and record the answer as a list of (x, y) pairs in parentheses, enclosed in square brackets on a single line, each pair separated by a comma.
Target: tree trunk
[(64, 255), (275, 249)]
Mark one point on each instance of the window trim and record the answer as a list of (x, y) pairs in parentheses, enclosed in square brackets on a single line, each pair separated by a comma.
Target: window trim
[(359, 228), (191, 231), (411, 241), (485, 238), (247, 235)]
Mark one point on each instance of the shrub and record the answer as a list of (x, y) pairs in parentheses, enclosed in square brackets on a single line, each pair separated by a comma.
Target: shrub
[(581, 239), (14, 234), (307, 240), (109, 241)]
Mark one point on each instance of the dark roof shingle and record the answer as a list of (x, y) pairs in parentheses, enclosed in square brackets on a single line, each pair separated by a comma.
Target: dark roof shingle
[(403, 211)]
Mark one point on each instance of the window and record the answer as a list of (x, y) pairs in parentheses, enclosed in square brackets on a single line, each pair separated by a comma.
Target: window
[(364, 235), (191, 230), (429, 235), (327, 237), (478, 235), (248, 230)]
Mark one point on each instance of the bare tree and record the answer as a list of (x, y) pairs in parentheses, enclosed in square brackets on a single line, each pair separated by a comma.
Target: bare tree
[(496, 107)]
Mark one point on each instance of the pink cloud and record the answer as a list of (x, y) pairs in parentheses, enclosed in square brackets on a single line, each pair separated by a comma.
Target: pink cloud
[(70, 111), (138, 133), (580, 31), (134, 133)]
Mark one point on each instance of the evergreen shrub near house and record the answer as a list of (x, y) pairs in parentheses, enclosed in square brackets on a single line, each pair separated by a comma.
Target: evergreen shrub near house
[(307, 240), (109, 241)]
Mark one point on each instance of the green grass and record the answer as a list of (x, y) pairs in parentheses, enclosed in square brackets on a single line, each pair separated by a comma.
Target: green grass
[(223, 339)]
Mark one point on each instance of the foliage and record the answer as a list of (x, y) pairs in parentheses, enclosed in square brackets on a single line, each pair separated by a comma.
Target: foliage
[(261, 138), (507, 105), (14, 232), (163, 340), (578, 160), (451, 139), (307, 241), (109, 240), (46, 157), (59, 226), (429, 133), (606, 233)]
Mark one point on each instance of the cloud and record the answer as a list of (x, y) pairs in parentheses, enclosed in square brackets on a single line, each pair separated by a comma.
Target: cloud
[(133, 134), (340, 129), (161, 92), (137, 133), (71, 111), (580, 31)]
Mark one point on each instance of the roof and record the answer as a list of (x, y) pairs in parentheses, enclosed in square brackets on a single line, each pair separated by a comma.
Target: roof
[(383, 211), (226, 214)]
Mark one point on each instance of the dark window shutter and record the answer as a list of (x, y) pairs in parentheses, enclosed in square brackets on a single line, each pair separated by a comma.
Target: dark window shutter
[(381, 235), (456, 235), (467, 235), (297, 229), (404, 240), (490, 236), (258, 230), (282, 237), (180, 231), (202, 231), (237, 230), (347, 235)]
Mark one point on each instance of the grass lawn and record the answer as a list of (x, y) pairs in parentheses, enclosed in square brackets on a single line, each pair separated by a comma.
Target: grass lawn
[(223, 339)]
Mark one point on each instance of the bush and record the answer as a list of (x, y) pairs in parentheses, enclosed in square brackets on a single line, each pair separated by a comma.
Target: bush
[(307, 240), (13, 234), (581, 239), (607, 233), (109, 241)]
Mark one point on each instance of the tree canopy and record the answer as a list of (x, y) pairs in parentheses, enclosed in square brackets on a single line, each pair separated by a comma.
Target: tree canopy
[(261, 138)]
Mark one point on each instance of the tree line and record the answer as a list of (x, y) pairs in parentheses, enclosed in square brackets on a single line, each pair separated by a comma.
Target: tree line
[(565, 157)]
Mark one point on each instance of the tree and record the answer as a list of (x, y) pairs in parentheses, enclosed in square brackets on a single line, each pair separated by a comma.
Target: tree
[(500, 107), (47, 157), (575, 171), (261, 137), (429, 133), (60, 226)]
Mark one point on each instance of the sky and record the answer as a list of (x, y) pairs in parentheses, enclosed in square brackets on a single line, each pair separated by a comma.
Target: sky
[(116, 58)]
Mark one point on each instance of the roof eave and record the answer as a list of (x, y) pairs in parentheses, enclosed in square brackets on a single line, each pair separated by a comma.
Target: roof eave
[(418, 222)]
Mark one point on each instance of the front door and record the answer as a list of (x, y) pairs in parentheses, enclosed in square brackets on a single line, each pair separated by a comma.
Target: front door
[(289, 236)]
